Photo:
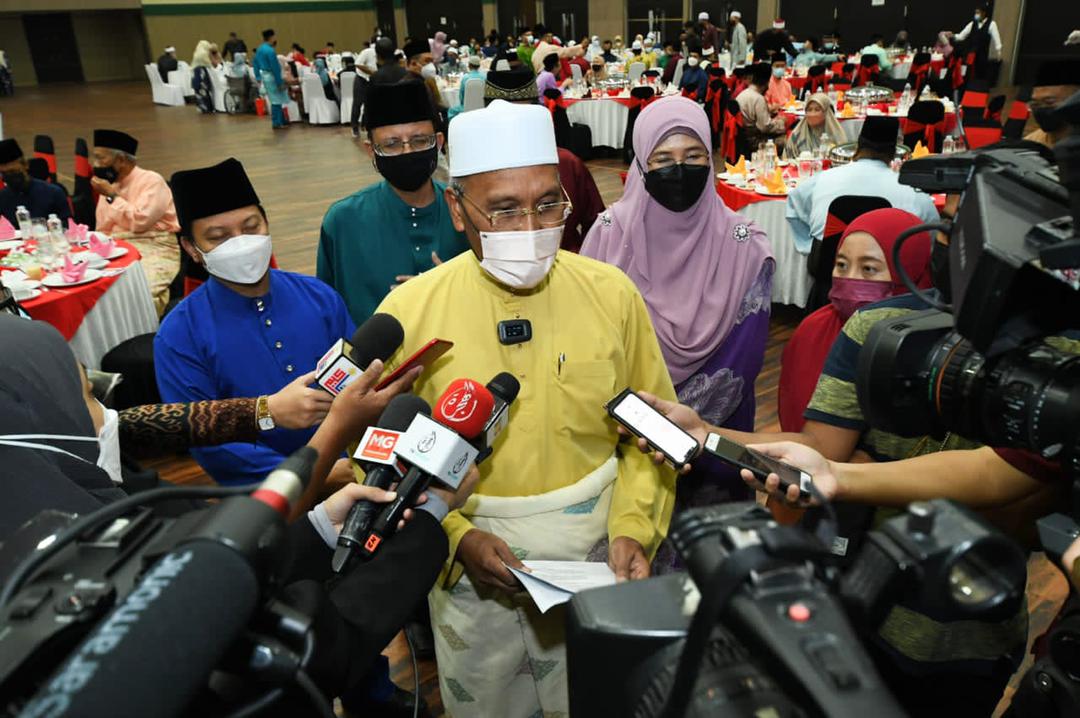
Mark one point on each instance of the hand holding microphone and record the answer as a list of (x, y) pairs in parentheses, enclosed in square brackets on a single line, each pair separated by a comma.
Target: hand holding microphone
[(297, 405)]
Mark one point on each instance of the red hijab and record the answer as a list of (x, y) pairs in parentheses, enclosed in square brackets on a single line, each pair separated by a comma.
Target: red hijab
[(804, 356)]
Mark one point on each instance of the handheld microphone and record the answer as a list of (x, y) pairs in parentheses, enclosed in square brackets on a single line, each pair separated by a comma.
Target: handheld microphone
[(435, 449), (381, 469), (504, 388), (377, 338), (151, 654)]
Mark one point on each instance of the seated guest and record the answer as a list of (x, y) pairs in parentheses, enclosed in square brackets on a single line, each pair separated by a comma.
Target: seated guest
[(546, 79), (297, 55), (943, 46), (695, 81), (1055, 82), (20, 189), (863, 274), (817, 125), (779, 92), (249, 330), (867, 174), (607, 53), (678, 242), (667, 57), (877, 47), (167, 63), (760, 123), (577, 181), (399, 227), (324, 78), (136, 204), (559, 486), (809, 54)]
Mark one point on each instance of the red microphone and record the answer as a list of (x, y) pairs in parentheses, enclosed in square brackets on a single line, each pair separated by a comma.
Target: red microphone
[(464, 407)]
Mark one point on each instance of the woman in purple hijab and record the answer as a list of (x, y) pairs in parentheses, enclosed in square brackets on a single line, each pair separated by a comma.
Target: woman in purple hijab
[(704, 271)]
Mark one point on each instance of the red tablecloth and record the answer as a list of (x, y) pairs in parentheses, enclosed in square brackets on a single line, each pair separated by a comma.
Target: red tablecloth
[(626, 101), (736, 198), (65, 308)]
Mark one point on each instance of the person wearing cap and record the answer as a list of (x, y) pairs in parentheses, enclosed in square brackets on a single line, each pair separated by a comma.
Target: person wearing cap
[(773, 40), (738, 39), (779, 92), (268, 71), (18, 188), (136, 204), (474, 73), (419, 63), (558, 485), (399, 227), (709, 34), (761, 123), (868, 173), (694, 82), (1055, 82), (167, 63)]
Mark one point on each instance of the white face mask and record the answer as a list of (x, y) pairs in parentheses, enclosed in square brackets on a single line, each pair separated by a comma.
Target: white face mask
[(109, 445), (520, 260), (428, 71), (693, 62), (243, 259)]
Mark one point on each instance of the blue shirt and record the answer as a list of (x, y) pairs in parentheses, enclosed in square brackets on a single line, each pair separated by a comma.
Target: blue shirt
[(217, 344), (266, 59), (41, 198)]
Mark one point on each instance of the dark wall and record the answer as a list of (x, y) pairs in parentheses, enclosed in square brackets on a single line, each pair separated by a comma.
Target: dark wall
[(1042, 35), (668, 14), (568, 19), (462, 19)]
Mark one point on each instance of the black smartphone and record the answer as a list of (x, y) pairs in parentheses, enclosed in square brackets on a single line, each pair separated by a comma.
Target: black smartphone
[(758, 464), (662, 433)]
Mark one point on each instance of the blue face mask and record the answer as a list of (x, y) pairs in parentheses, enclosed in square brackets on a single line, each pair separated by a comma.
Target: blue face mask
[(778, 72)]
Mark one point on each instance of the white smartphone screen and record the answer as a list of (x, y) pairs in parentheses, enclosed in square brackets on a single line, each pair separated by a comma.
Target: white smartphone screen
[(660, 431)]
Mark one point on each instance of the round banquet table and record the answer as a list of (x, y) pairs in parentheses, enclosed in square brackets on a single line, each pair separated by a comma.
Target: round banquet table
[(98, 316), (606, 118), (852, 126)]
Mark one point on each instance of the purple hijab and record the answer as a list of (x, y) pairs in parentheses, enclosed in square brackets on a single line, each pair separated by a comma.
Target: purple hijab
[(693, 268), (438, 46)]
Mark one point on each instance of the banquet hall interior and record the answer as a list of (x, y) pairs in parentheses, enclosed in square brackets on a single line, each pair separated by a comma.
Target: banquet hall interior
[(172, 75)]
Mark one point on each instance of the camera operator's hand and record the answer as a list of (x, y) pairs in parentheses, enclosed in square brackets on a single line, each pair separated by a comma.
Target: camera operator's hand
[(627, 559), (297, 405), (686, 418), (338, 505), (801, 457), (483, 555), (1068, 559)]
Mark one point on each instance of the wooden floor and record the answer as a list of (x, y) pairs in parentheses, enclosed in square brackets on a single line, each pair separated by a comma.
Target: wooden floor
[(298, 173)]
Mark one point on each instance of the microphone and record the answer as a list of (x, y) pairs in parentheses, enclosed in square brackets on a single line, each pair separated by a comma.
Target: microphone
[(504, 388), (435, 449), (377, 338), (151, 654), (381, 468)]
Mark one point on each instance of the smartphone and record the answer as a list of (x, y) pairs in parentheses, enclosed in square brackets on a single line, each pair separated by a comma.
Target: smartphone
[(662, 433), (759, 464), (425, 355)]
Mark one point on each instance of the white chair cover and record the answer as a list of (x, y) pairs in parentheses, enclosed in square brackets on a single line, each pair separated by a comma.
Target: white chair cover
[(678, 72), (575, 73), (474, 95), (320, 111), (333, 62), (293, 111), (182, 79), (635, 71), (163, 93), (220, 87), (348, 79)]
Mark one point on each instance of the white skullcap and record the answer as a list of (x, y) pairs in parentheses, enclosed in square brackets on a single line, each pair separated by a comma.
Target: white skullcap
[(636, 45), (474, 61), (703, 16), (170, 48), (453, 43), (572, 43), (501, 136), (735, 14), (596, 38), (779, 23)]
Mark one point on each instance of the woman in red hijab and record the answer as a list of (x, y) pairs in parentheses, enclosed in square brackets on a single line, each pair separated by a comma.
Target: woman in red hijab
[(863, 274)]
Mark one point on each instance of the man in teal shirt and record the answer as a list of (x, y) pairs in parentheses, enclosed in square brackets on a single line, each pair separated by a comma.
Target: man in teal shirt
[(268, 70), (809, 56), (877, 47), (474, 73), (386, 233)]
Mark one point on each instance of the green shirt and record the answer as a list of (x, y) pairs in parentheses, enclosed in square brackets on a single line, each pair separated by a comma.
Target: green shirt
[(372, 236)]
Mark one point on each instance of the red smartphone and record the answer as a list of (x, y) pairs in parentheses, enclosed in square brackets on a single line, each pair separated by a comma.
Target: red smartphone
[(425, 355)]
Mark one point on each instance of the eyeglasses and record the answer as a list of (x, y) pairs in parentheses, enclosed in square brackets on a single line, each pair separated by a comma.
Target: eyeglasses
[(395, 146), (548, 214)]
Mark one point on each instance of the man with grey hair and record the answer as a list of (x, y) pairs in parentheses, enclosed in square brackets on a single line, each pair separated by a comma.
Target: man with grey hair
[(136, 204)]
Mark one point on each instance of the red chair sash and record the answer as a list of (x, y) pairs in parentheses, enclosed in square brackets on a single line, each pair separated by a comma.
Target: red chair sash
[(553, 104), (638, 102), (729, 135), (82, 167), (838, 67), (834, 225), (690, 94), (930, 131), (729, 80), (50, 160), (716, 114), (981, 136), (865, 74), (1018, 111), (815, 83)]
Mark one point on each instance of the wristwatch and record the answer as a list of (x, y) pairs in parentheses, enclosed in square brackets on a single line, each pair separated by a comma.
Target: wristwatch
[(262, 413)]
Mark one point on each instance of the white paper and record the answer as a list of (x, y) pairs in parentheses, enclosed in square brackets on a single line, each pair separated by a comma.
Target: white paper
[(551, 583)]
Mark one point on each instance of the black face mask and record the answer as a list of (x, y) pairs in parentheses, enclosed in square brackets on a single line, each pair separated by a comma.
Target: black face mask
[(106, 173), (410, 171), (17, 181), (939, 269), (677, 187), (1047, 119)]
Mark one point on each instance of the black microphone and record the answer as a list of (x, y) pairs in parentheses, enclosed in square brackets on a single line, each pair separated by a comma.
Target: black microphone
[(504, 388), (396, 417), (152, 654), (377, 338)]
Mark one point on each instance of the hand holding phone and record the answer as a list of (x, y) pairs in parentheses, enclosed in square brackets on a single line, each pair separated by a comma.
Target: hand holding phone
[(662, 434), (760, 465), (425, 355)]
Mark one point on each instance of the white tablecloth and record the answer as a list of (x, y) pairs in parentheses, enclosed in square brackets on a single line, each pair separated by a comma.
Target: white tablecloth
[(126, 310), (606, 118), (450, 96), (791, 281)]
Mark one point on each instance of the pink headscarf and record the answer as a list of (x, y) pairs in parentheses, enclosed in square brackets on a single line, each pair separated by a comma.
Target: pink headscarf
[(438, 46), (693, 268)]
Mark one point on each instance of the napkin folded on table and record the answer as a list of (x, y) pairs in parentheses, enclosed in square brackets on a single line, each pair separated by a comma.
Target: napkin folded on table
[(848, 111), (774, 182), (7, 230), (73, 271), (76, 232), (739, 168), (101, 247), (919, 151), (13, 278)]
